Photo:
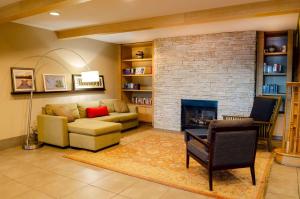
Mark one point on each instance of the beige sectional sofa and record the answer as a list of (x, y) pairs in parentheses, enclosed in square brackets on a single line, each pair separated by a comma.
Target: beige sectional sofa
[(77, 130)]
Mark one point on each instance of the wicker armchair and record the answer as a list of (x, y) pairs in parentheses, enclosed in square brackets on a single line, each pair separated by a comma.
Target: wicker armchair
[(264, 112)]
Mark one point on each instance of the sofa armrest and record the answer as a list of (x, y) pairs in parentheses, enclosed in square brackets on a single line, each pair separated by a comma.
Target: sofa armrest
[(132, 108), (53, 130)]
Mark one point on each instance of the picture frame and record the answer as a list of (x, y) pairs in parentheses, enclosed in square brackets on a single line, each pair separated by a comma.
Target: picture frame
[(23, 79), (55, 82), (78, 85)]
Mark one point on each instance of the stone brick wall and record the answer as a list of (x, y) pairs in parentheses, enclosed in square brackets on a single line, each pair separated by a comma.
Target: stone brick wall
[(209, 67)]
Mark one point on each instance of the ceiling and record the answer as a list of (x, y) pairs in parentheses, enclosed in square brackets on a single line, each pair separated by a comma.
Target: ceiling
[(110, 11), (6, 2), (274, 23)]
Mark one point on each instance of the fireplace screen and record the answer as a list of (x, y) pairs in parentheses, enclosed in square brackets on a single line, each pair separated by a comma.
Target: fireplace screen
[(196, 113)]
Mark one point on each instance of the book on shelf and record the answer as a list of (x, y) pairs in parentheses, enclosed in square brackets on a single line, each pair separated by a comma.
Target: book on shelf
[(141, 100), (270, 89)]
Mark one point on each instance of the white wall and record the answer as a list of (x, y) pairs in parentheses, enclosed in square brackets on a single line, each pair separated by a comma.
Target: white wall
[(19, 41)]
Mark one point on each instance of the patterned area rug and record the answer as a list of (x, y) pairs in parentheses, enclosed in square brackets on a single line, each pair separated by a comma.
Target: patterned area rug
[(159, 156)]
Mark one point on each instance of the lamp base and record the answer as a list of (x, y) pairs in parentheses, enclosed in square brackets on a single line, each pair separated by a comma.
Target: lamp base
[(32, 146)]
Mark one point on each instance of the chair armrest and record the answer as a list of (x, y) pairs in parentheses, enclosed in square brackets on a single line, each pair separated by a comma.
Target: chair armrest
[(261, 122), (234, 117), (205, 143), (132, 108), (53, 130)]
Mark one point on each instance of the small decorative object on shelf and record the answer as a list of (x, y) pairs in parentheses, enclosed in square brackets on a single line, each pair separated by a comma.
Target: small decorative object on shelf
[(272, 49), (137, 71), (141, 100), (283, 49), (128, 71), (140, 70), (277, 68), (132, 86), (139, 54)]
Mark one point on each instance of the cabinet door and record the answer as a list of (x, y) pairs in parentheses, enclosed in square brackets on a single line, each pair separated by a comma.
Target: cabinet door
[(145, 114)]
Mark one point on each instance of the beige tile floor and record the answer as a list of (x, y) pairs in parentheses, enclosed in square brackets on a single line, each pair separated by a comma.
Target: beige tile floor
[(45, 174)]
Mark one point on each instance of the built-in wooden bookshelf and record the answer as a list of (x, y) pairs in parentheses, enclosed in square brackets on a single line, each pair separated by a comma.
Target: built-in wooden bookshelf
[(136, 78), (271, 77)]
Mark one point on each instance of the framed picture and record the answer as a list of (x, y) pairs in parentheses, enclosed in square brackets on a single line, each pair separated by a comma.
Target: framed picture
[(78, 85), (22, 79), (54, 82)]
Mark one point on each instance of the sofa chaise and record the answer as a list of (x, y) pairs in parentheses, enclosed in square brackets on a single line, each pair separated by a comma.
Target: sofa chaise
[(69, 125)]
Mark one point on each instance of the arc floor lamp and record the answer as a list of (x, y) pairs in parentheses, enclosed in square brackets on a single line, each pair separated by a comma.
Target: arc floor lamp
[(87, 76)]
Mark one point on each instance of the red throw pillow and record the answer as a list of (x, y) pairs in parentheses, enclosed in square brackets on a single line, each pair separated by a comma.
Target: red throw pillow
[(97, 112)]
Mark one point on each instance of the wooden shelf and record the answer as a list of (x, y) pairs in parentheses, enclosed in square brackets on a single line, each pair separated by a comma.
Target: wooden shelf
[(135, 90), (274, 94), (275, 53), (129, 60), (55, 92), (142, 105), (143, 75), (140, 44), (137, 60), (275, 74)]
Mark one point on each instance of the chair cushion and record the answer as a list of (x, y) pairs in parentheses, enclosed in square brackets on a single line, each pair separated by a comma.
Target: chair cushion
[(198, 149), (262, 109), (227, 123), (82, 106), (93, 127)]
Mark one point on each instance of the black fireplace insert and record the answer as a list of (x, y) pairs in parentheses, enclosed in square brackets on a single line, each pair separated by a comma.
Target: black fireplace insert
[(196, 113)]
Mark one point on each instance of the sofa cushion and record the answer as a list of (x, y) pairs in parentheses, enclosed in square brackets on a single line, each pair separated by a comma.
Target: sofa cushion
[(118, 117), (82, 106), (121, 106), (123, 117), (97, 112), (109, 103), (93, 127), (67, 110), (109, 118)]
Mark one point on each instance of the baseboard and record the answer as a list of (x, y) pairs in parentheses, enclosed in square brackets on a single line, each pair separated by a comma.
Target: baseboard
[(12, 142)]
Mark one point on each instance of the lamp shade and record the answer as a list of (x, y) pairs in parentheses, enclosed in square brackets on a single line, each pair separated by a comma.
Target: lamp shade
[(90, 76)]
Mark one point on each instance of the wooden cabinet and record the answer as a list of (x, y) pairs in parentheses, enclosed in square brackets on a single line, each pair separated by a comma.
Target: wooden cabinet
[(136, 78)]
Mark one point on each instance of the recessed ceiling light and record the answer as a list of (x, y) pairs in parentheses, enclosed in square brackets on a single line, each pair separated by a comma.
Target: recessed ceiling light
[(54, 13)]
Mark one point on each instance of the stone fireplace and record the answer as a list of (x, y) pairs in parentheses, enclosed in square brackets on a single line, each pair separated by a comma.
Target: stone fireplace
[(218, 66), (196, 113)]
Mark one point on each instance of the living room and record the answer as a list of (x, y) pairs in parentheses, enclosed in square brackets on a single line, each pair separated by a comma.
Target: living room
[(127, 99)]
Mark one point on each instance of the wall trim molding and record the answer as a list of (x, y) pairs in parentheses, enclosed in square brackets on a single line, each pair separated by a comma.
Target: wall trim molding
[(12, 142)]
